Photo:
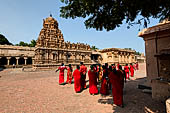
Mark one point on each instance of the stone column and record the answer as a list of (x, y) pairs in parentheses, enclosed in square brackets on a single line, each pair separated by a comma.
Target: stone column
[(25, 58), (33, 60), (17, 58), (8, 60)]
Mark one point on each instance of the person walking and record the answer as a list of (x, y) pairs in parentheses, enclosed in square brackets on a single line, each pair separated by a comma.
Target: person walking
[(61, 73), (92, 81), (77, 79)]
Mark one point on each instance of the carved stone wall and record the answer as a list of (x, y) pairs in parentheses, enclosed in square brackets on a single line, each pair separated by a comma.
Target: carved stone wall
[(51, 49), (16, 55), (117, 55)]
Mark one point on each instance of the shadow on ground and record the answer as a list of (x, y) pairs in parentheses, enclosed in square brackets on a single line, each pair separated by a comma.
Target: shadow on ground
[(135, 101)]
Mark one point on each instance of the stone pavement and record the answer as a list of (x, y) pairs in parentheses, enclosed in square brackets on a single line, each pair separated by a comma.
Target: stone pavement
[(39, 92)]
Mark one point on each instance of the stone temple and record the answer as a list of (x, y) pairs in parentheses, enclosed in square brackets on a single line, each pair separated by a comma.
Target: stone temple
[(51, 50)]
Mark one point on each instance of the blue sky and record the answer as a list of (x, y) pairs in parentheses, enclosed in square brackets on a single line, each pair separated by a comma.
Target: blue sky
[(21, 20)]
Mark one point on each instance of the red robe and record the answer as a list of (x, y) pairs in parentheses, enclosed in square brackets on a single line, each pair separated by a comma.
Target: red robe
[(126, 68), (77, 80), (92, 82), (104, 85), (131, 71), (117, 87), (69, 75), (117, 66), (61, 74), (137, 66), (83, 70)]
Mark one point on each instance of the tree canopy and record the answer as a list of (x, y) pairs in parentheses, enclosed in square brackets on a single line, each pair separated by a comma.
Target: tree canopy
[(94, 48), (109, 14), (31, 44), (4, 40)]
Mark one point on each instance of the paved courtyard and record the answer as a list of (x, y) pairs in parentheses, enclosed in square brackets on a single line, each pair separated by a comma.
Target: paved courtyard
[(39, 92)]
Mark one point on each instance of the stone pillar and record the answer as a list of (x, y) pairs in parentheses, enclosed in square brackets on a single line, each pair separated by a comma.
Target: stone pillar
[(33, 60), (17, 58), (8, 60), (25, 58)]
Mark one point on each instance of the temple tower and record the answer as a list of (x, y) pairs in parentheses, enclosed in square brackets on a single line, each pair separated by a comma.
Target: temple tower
[(50, 35)]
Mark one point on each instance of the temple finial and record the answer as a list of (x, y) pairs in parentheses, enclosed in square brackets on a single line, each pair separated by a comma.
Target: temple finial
[(50, 15)]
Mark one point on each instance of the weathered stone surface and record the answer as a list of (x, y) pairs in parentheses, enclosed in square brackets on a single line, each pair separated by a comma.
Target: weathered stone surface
[(117, 55), (51, 48), (168, 105), (160, 90)]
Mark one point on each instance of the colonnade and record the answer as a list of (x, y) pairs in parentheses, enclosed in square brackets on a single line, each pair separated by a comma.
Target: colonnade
[(11, 60)]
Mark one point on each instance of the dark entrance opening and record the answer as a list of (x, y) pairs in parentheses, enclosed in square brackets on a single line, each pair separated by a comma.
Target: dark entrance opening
[(12, 61), (21, 61), (3, 61), (94, 57), (29, 60)]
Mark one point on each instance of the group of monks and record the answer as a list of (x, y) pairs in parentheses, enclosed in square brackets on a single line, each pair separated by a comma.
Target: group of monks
[(109, 77)]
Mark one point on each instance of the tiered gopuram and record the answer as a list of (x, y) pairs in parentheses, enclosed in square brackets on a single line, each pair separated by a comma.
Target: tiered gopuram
[(51, 49)]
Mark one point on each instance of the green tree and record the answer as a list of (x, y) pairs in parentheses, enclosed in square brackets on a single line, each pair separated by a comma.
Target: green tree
[(109, 14), (32, 44), (4, 40), (21, 43), (94, 48)]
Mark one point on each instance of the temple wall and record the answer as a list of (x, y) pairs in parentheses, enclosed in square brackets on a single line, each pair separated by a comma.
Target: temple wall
[(16, 55), (112, 56), (157, 45)]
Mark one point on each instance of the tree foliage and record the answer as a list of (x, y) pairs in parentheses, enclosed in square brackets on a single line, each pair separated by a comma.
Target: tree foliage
[(109, 14), (4, 40), (31, 44), (94, 48)]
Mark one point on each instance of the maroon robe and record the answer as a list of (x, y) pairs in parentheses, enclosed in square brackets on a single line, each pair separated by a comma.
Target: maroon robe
[(117, 87), (131, 71), (126, 68), (77, 80), (92, 82), (137, 66), (104, 84), (83, 70), (61, 74), (69, 75)]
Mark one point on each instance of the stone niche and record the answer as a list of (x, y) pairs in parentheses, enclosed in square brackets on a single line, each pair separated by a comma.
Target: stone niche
[(164, 63)]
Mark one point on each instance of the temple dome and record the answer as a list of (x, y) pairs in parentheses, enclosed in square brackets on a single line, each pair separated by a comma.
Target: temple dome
[(50, 20)]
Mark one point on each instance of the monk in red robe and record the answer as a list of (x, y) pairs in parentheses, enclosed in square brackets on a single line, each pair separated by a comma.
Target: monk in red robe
[(116, 79), (92, 81), (126, 68), (113, 66), (69, 74), (118, 66), (134, 66), (77, 80), (104, 84), (137, 66), (131, 70), (83, 71), (61, 73)]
